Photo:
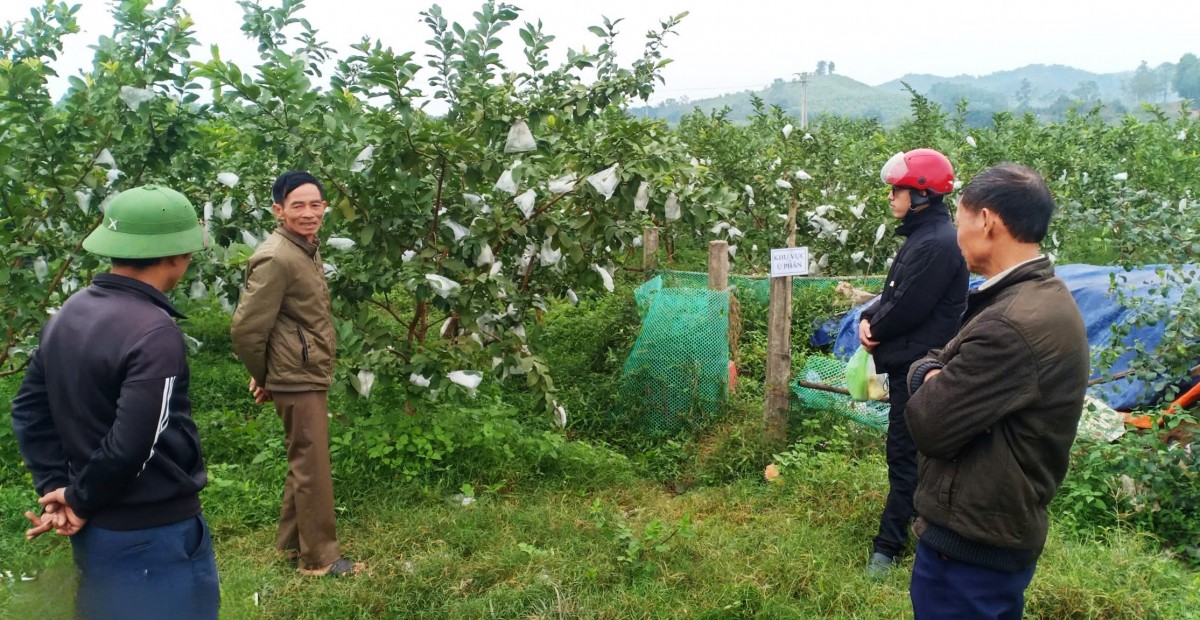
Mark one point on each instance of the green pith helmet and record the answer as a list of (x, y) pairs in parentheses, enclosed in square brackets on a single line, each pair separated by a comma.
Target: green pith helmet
[(147, 222)]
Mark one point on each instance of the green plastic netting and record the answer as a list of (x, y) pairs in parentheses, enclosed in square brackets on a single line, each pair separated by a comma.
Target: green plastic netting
[(678, 371), (832, 371), (759, 289)]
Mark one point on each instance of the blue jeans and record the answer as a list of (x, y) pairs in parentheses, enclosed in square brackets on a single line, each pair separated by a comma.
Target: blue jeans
[(160, 572), (945, 588)]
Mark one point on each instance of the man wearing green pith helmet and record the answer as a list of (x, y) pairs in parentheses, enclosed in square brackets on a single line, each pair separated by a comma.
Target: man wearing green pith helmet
[(103, 422)]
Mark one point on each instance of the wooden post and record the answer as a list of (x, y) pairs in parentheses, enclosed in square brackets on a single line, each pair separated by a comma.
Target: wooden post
[(718, 265), (779, 350), (649, 249)]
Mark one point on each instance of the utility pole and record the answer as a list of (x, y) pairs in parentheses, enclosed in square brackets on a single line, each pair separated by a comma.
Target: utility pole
[(804, 98)]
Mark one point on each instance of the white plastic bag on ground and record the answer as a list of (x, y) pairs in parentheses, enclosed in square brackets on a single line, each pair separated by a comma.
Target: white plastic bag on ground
[(605, 181), (520, 139), (525, 203)]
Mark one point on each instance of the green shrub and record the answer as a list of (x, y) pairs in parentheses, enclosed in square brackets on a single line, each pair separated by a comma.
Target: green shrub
[(1139, 481)]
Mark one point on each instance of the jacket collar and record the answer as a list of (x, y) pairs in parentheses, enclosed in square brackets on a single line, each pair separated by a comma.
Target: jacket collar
[(1038, 269), (136, 288), (309, 248), (928, 215)]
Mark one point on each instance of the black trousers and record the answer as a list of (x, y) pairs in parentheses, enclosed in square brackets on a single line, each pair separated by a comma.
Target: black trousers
[(898, 512)]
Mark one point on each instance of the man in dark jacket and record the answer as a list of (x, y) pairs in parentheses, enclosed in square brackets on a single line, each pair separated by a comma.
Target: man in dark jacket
[(104, 424), (994, 413), (922, 302)]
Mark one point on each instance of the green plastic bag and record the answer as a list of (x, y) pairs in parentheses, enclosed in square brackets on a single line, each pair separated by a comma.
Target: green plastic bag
[(856, 374), (862, 381)]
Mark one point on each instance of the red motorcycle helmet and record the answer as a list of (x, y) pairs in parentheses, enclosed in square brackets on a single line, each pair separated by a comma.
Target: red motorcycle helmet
[(919, 169)]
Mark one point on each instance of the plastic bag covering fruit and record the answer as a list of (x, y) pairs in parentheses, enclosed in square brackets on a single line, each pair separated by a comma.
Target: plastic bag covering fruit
[(520, 139), (672, 208), (525, 203), (507, 183), (642, 200), (605, 181)]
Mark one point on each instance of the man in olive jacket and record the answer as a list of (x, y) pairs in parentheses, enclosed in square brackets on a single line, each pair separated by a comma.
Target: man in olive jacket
[(994, 413), (283, 333)]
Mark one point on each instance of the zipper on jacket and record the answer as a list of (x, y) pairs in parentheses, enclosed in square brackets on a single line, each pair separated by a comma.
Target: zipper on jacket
[(303, 346)]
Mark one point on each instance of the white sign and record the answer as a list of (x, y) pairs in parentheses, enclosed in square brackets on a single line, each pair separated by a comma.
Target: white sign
[(789, 262)]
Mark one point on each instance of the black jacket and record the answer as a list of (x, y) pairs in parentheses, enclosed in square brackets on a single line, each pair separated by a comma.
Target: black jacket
[(925, 293), (995, 428), (104, 409)]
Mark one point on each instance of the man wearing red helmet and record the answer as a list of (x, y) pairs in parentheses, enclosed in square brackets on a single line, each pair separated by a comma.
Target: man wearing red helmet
[(920, 308)]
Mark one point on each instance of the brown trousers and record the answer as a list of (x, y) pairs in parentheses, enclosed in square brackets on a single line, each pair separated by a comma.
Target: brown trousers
[(306, 520)]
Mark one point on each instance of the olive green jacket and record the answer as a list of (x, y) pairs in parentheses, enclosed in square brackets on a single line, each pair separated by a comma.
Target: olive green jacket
[(283, 327)]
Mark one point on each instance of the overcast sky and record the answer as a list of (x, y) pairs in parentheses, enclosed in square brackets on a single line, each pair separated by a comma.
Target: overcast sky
[(726, 46)]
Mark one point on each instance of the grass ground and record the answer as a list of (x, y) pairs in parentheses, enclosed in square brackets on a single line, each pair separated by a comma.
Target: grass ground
[(681, 527), (789, 549)]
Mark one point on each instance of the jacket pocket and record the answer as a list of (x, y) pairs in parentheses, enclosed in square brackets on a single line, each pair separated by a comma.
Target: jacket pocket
[(303, 346), (946, 484)]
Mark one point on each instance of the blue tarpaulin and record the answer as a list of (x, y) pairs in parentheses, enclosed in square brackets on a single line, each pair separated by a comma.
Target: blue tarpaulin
[(1090, 285)]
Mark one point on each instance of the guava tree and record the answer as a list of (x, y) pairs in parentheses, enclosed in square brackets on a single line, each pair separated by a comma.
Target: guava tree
[(132, 118), (451, 231)]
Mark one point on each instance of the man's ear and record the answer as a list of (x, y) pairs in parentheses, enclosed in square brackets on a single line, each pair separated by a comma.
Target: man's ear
[(277, 209), (992, 224)]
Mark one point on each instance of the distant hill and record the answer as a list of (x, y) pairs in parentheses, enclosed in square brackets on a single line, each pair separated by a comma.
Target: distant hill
[(1045, 89), (1047, 82), (835, 94)]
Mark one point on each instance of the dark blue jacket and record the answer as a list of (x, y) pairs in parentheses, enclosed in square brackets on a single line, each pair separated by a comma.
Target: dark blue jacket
[(104, 409), (925, 293)]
